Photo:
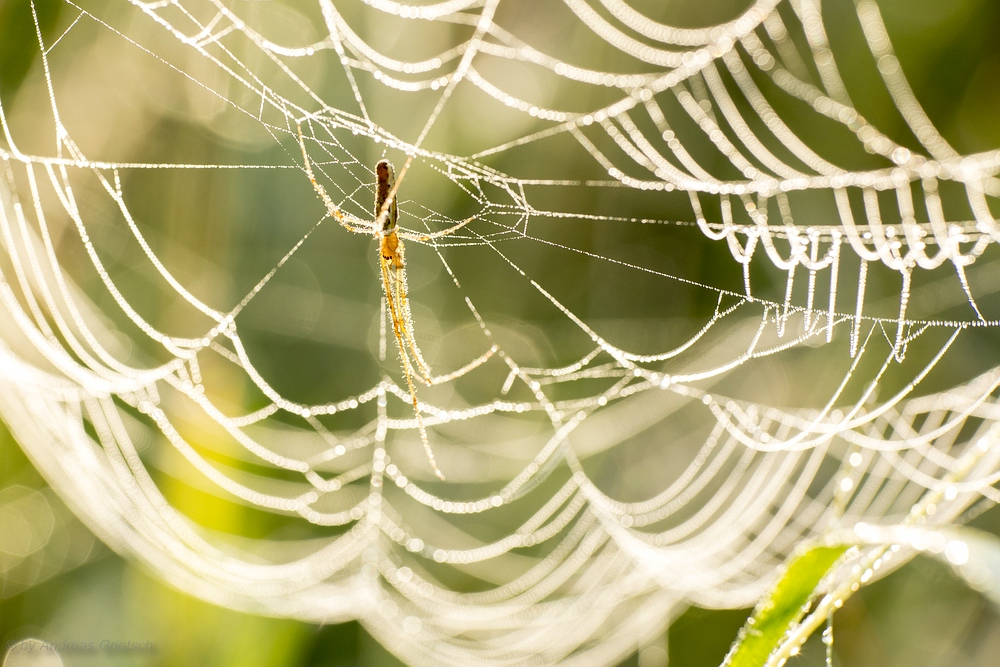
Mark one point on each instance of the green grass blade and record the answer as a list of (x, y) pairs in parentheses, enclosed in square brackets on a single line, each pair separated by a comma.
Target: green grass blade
[(772, 619)]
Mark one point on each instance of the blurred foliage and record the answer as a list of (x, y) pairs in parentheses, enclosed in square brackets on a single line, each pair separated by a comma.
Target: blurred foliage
[(783, 606), (18, 41)]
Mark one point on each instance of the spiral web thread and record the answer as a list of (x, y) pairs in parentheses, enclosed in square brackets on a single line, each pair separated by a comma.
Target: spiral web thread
[(583, 577)]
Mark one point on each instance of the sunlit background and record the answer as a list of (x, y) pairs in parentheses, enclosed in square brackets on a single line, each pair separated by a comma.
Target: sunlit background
[(314, 330)]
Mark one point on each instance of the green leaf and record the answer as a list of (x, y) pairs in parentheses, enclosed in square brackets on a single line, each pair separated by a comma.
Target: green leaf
[(783, 607)]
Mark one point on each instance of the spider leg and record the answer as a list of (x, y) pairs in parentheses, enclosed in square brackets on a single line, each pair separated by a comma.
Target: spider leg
[(425, 374), (399, 330), (347, 221), (357, 226), (420, 238), (403, 308)]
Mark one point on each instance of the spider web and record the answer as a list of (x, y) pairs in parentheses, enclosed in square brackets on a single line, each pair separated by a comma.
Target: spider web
[(597, 483)]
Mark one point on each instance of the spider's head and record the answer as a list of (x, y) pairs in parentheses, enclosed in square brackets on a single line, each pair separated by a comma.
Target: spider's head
[(385, 173), (385, 180)]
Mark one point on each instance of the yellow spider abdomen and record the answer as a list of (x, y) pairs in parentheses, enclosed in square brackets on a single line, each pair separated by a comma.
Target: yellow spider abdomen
[(391, 250)]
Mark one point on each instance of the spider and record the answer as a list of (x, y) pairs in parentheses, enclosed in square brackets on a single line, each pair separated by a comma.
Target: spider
[(390, 254)]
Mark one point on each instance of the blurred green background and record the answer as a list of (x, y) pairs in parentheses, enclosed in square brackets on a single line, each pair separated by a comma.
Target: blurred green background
[(224, 230)]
